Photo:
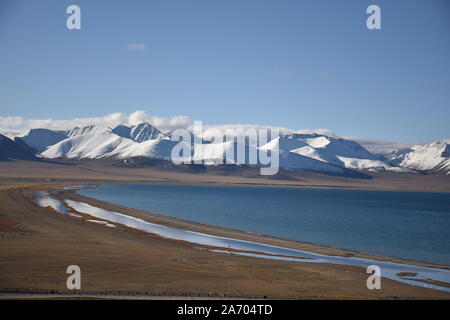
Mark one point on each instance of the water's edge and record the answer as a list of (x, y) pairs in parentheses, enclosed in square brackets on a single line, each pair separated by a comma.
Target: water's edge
[(112, 219), (376, 223)]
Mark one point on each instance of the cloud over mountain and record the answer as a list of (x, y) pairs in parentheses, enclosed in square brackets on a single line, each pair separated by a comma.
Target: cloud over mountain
[(124, 136), (18, 124), (12, 126)]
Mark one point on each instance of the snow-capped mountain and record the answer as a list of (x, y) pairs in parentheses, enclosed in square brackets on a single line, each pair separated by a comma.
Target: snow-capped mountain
[(336, 152), (88, 130), (95, 142), (40, 139), (160, 148), (90, 142), (311, 152), (434, 156), (141, 132)]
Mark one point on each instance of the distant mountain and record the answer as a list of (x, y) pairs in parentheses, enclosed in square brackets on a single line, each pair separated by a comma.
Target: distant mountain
[(94, 142), (139, 133), (10, 150), (428, 157), (310, 152), (338, 153), (90, 142), (160, 148), (88, 130), (40, 139)]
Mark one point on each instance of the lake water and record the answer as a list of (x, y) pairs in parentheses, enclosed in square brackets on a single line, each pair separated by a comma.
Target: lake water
[(409, 225)]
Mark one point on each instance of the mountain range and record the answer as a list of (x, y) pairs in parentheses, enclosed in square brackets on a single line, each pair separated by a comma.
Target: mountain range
[(10, 150), (308, 152)]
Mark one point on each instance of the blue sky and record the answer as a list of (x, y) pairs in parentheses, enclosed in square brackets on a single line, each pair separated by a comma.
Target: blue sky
[(297, 64)]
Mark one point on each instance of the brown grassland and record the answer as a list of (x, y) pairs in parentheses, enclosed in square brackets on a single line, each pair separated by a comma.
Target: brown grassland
[(37, 245)]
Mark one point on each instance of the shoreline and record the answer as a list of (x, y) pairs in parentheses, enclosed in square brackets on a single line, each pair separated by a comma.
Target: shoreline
[(269, 185), (266, 185), (232, 275), (109, 171), (69, 194), (236, 233)]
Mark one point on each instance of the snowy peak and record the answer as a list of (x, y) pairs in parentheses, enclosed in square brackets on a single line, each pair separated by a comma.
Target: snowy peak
[(433, 156), (285, 143), (88, 130), (339, 147), (40, 139), (311, 152), (122, 131), (83, 145), (327, 150), (139, 133), (145, 131), (155, 148), (94, 142)]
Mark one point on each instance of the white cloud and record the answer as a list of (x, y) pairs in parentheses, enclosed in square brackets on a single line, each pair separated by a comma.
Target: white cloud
[(382, 146), (163, 124), (17, 125), (326, 132), (209, 130), (12, 126), (13, 133), (11, 122), (137, 47)]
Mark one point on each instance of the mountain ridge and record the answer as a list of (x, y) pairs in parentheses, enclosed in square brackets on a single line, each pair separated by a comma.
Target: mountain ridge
[(298, 151), (433, 156), (15, 150)]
